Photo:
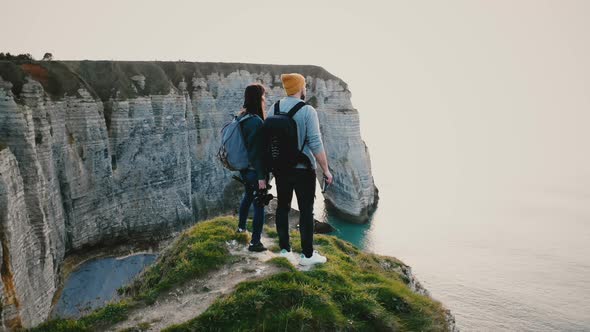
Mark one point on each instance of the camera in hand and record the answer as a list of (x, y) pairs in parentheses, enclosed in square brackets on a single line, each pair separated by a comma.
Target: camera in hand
[(262, 197)]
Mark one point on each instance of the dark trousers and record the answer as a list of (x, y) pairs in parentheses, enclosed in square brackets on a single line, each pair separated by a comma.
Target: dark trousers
[(249, 176), (302, 181)]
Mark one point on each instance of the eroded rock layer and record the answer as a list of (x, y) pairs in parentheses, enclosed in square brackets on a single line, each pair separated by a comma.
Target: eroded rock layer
[(97, 152)]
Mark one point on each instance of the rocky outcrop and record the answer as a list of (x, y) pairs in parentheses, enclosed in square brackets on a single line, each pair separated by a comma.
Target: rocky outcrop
[(97, 152), (354, 195)]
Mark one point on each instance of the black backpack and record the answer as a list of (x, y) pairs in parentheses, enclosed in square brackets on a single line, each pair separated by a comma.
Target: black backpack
[(282, 142)]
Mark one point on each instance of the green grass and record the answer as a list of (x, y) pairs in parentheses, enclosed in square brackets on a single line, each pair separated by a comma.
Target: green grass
[(197, 251), (294, 237), (110, 314), (353, 291), (144, 326), (270, 232), (282, 262)]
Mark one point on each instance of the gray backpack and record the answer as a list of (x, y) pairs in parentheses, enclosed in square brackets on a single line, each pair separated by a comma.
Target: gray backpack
[(233, 153)]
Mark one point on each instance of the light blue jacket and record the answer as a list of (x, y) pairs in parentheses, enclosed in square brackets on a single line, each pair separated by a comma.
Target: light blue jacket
[(308, 127)]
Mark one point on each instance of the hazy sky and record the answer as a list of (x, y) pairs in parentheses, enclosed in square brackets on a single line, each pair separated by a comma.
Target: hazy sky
[(455, 78), (476, 114)]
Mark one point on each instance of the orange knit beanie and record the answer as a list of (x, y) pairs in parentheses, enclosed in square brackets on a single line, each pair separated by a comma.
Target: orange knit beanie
[(292, 83)]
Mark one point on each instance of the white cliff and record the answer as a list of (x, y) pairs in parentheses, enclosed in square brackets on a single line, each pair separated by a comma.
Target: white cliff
[(96, 153)]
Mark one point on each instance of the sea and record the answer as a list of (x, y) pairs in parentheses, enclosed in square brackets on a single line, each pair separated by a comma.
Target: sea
[(491, 211)]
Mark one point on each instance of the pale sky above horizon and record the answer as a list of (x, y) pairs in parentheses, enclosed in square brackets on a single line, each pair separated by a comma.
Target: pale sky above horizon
[(476, 115), (455, 78)]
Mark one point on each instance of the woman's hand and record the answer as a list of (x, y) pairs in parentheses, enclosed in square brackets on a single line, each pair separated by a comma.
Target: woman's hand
[(261, 184), (328, 176)]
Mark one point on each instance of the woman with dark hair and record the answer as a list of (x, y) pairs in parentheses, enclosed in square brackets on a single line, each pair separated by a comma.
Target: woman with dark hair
[(255, 176)]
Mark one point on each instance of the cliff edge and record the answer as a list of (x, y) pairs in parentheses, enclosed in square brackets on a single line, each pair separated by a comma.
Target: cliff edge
[(94, 153), (202, 282)]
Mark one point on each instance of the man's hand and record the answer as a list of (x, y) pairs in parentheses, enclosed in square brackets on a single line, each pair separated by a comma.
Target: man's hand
[(328, 176), (323, 161), (261, 184)]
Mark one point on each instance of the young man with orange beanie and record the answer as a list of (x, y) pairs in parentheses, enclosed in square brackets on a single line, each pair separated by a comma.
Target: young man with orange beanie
[(301, 178)]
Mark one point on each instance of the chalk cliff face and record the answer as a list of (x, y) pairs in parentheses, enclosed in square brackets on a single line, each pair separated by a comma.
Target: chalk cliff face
[(354, 196), (94, 153)]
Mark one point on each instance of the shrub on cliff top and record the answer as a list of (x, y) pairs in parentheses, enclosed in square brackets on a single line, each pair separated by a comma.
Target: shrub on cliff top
[(353, 291), (8, 56)]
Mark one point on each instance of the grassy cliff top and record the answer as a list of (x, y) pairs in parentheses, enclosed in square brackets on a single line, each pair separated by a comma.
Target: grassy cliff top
[(353, 291), (107, 79)]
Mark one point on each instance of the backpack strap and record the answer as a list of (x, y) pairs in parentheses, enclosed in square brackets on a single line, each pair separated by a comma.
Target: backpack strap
[(241, 121), (296, 108), (302, 157), (293, 110), (244, 117)]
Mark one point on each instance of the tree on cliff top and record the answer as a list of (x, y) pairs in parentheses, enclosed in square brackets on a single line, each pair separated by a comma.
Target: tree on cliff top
[(9, 56)]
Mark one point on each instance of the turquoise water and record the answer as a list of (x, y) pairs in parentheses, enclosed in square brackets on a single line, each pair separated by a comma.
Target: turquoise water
[(491, 210), (95, 283), (494, 277)]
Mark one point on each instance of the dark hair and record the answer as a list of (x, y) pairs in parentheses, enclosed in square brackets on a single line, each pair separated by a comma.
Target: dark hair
[(253, 99)]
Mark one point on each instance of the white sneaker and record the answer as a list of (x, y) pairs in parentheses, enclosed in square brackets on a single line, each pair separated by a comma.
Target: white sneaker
[(316, 258), (289, 256), (242, 230)]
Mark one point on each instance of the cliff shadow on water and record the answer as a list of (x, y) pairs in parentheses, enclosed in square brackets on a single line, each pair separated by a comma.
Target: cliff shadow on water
[(95, 153)]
